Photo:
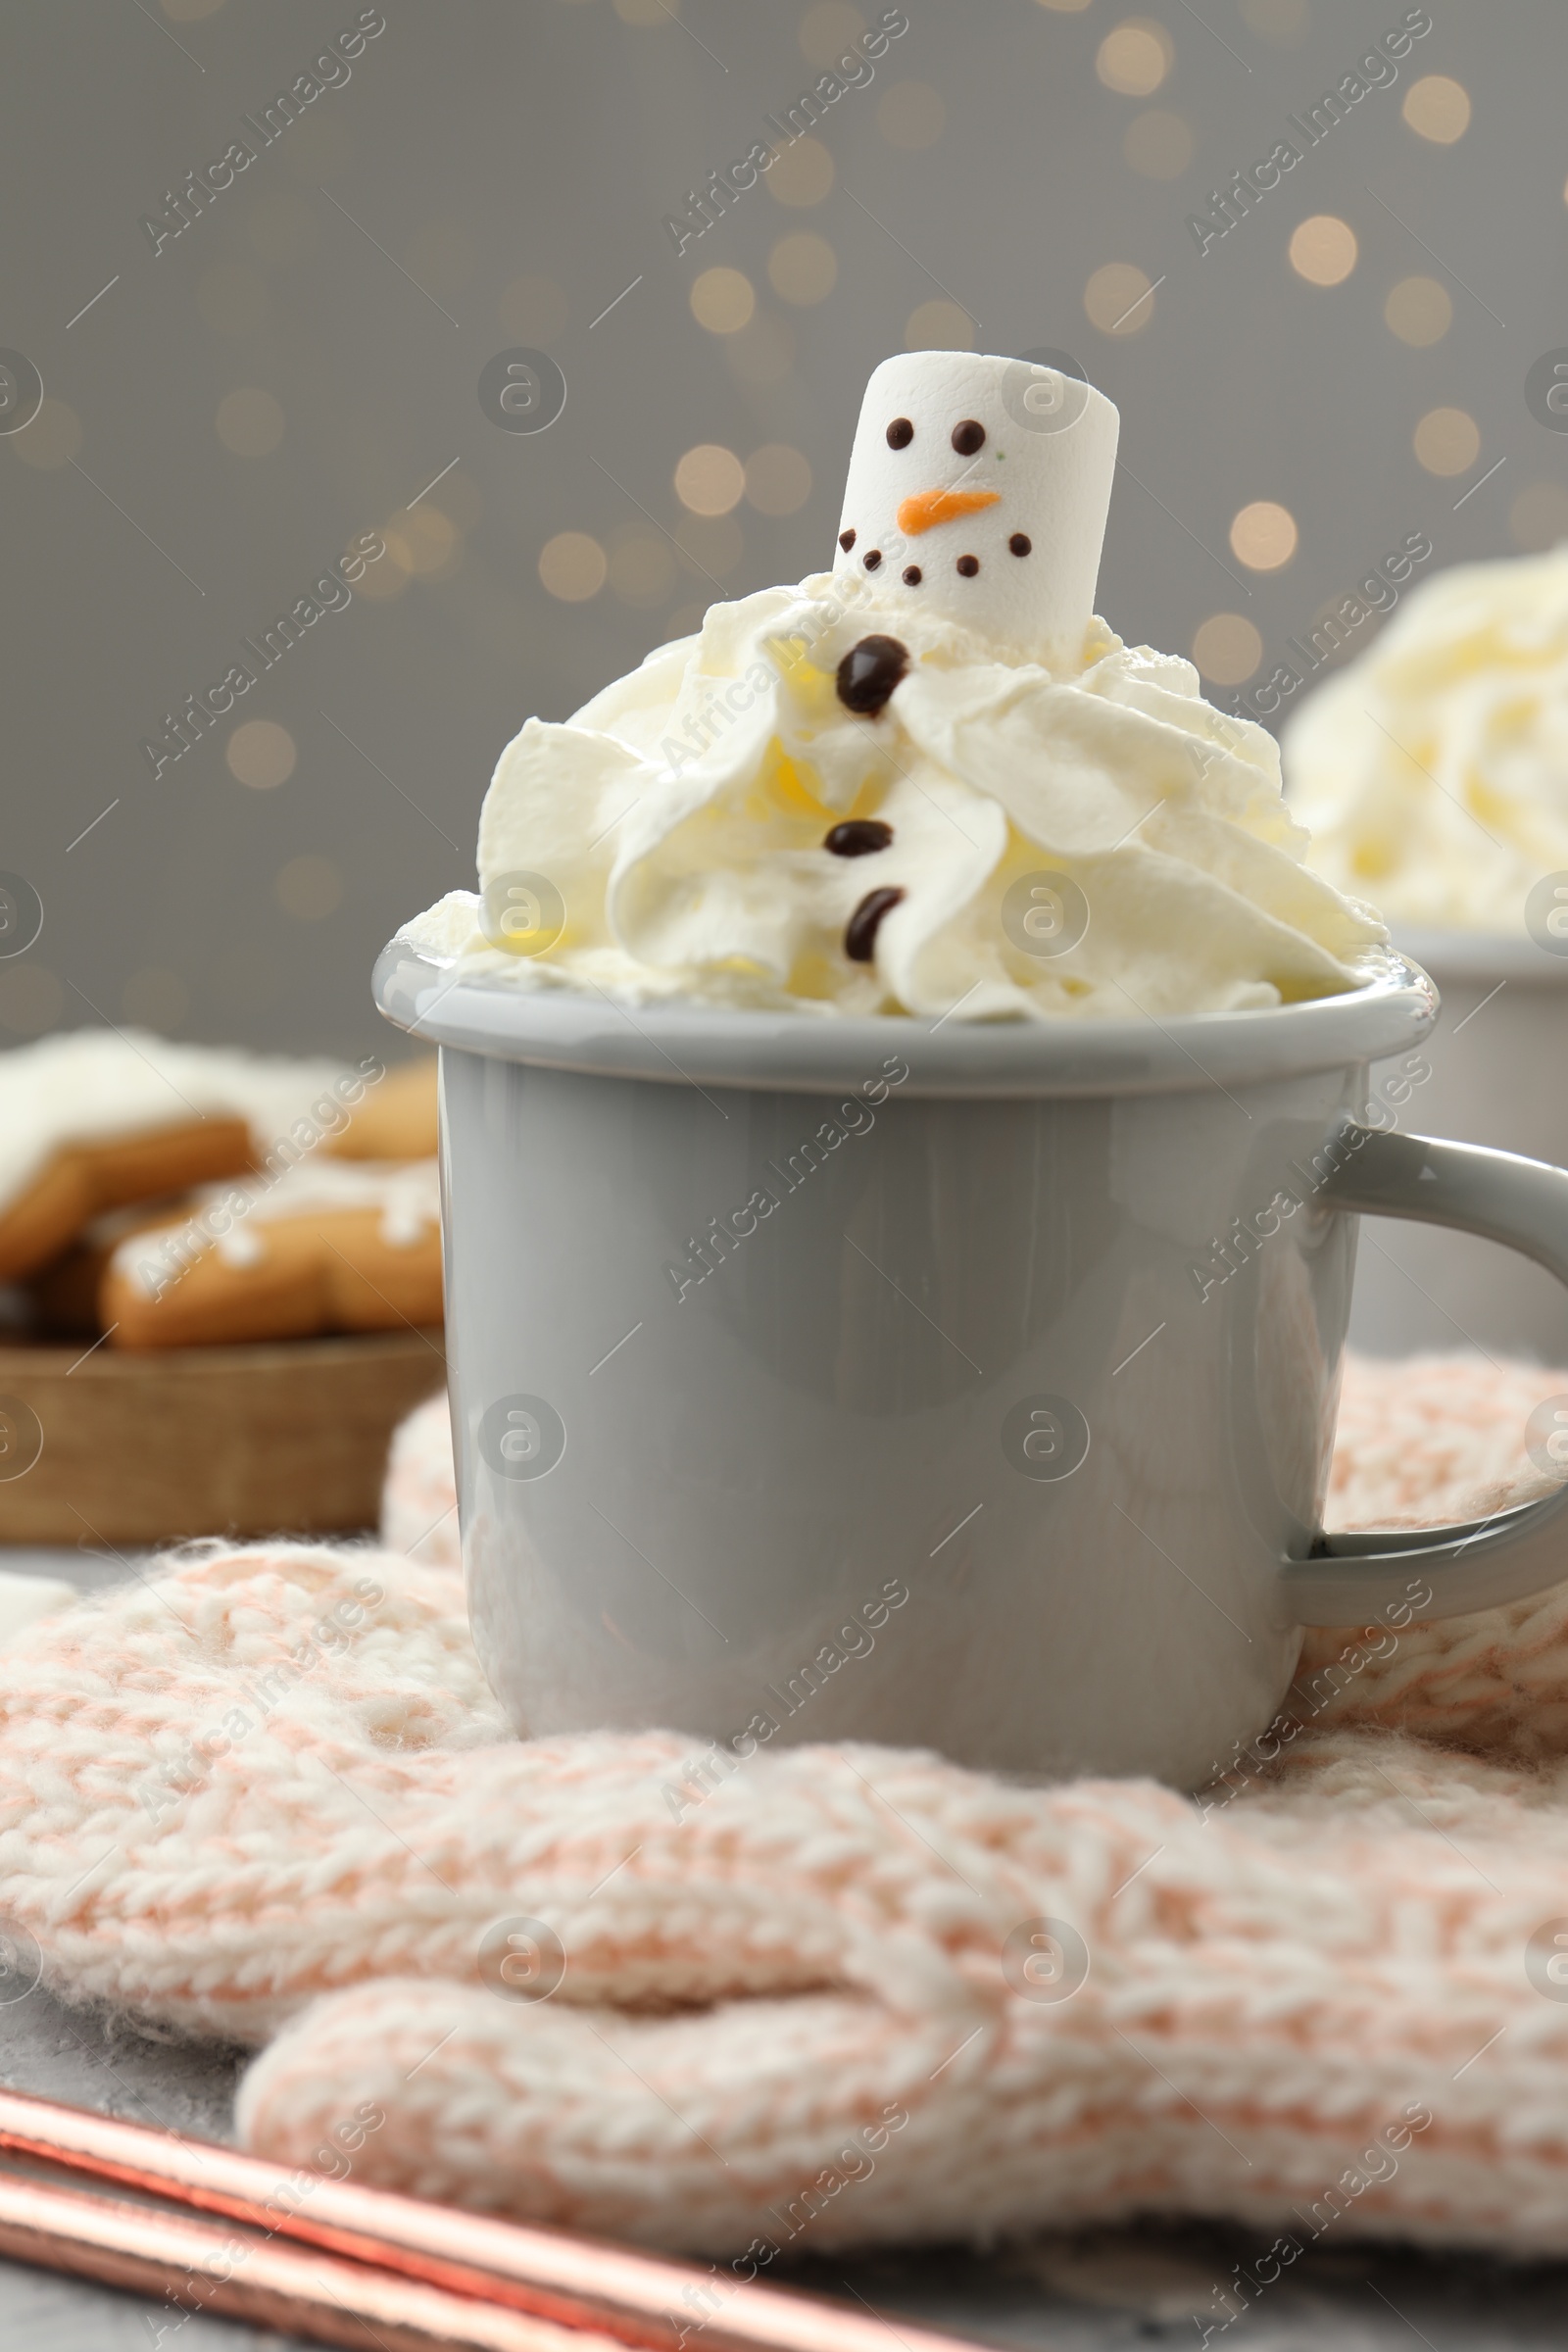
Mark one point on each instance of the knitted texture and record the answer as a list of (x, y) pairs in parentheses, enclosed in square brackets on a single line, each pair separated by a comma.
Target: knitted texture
[(267, 1794)]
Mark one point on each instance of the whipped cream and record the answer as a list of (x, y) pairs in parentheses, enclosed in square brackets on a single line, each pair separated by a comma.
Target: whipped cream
[(930, 782), (681, 817), (1432, 771)]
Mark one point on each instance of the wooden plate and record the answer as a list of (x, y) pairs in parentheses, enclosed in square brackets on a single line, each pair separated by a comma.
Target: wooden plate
[(282, 1437)]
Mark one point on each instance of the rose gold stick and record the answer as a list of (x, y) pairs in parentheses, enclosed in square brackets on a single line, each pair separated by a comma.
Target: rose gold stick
[(196, 2266), (574, 2282)]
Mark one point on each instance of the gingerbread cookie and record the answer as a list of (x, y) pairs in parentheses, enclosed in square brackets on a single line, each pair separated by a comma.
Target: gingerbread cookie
[(396, 1118), (332, 1246), (96, 1119)]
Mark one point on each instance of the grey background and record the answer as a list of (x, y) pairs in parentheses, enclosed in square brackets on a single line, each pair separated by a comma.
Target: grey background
[(480, 141)]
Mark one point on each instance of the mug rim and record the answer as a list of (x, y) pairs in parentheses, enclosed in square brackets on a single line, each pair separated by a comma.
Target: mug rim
[(687, 1044), (1452, 954)]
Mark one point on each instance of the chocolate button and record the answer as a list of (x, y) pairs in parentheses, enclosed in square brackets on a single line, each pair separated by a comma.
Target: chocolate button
[(858, 837), (869, 673)]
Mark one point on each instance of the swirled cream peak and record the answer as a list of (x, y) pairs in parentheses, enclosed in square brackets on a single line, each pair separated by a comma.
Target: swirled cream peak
[(929, 782), (1434, 772)]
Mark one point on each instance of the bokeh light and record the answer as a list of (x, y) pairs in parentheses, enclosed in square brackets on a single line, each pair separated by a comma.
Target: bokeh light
[(572, 567), (803, 175), (1323, 250), (261, 753), (309, 888), (1157, 144), (1419, 310), (1135, 58), (386, 578), (421, 541), (778, 479), (250, 422), (1119, 299), (1227, 648), (938, 325), (1447, 441), (52, 439), (723, 300), (826, 30), (1263, 535), (1438, 108), (803, 267), (911, 115), (709, 479)]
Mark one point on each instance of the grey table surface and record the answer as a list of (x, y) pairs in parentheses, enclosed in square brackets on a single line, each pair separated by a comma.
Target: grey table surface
[(1097, 2291)]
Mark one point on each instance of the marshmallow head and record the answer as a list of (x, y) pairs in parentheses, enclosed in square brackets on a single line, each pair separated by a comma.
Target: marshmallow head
[(979, 487)]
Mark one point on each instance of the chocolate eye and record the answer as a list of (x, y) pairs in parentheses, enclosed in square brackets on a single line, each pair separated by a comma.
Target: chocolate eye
[(901, 432), (847, 541), (1020, 543), (967, 437), (968, 566)]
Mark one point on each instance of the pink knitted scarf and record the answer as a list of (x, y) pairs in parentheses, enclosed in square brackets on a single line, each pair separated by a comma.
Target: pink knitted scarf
[(828, 1995)]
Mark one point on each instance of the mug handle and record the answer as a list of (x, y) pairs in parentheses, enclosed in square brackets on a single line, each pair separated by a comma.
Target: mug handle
[(1349, 1580)]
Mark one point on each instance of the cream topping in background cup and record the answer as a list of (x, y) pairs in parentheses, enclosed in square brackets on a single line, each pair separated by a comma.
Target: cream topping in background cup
[(1432, 773)]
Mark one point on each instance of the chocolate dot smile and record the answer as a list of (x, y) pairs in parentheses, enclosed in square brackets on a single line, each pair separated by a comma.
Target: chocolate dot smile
[(859, 933)]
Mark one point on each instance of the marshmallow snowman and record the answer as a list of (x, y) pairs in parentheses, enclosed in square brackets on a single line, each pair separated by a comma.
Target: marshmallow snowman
[(979, 487)]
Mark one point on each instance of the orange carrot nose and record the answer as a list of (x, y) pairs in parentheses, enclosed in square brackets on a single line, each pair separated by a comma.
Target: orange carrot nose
[(927, 507)]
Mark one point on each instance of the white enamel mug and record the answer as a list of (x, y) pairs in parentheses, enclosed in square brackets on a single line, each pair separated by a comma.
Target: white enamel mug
[(959, 1388)]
